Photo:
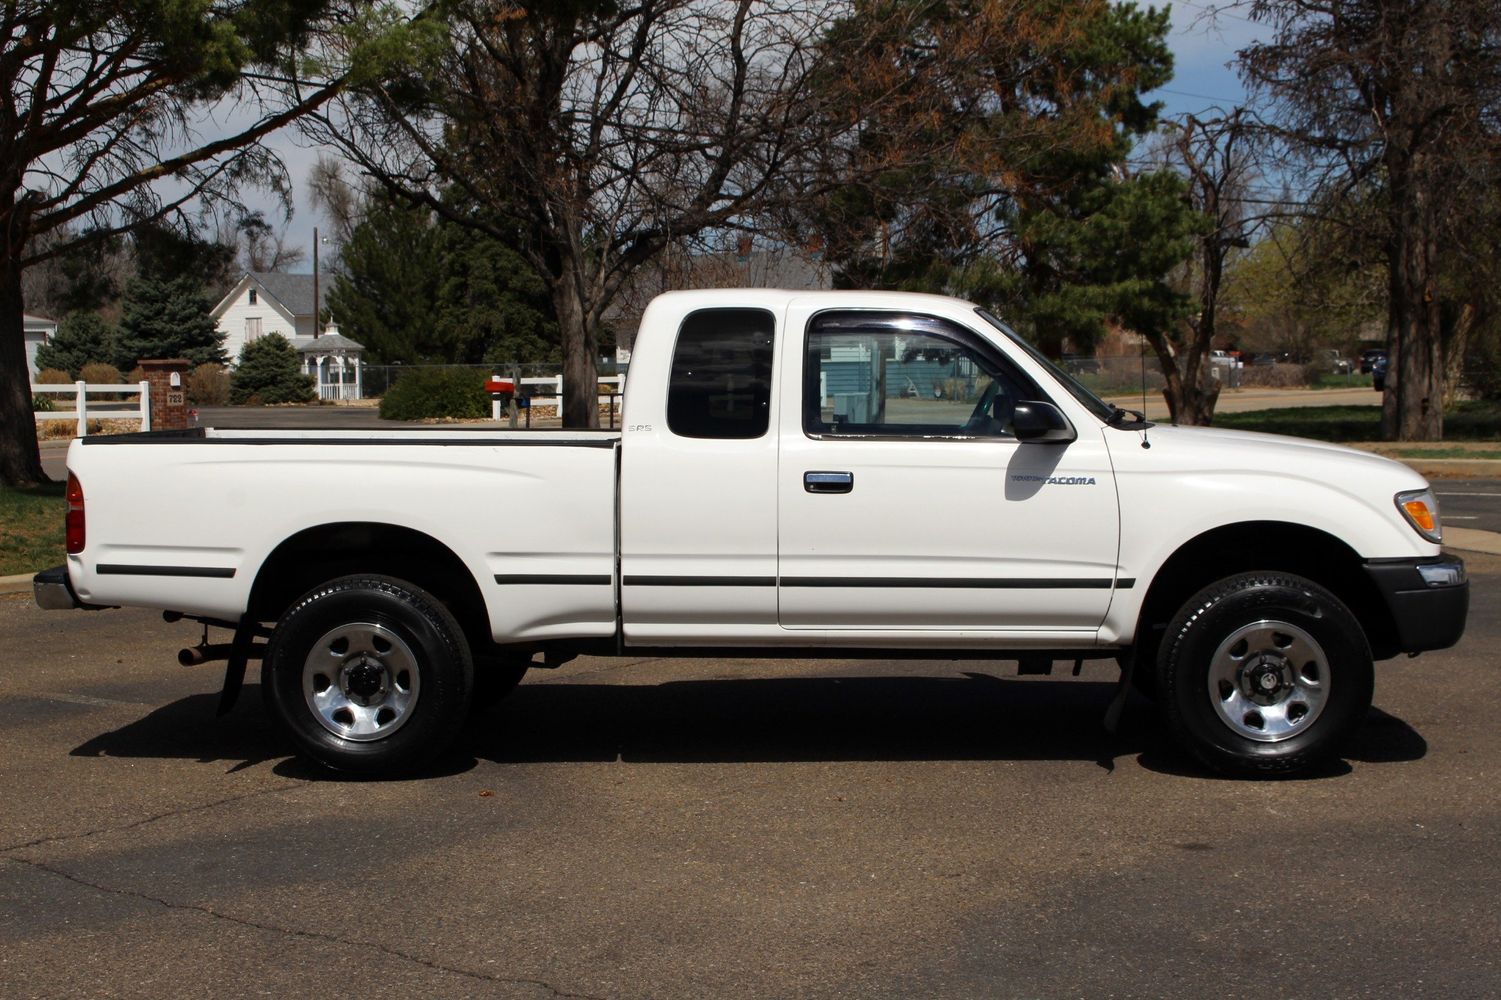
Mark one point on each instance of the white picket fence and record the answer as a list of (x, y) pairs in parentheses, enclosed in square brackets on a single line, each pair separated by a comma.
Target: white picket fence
[(555, 384), (80, 412), (552, 394)]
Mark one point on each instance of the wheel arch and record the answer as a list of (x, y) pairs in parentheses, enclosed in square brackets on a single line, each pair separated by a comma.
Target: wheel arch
[(1266, 545), (326, 551)]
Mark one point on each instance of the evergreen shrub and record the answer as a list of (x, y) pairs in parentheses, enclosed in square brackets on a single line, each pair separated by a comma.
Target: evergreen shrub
[(81, 338), (422, 393), (270, 372)]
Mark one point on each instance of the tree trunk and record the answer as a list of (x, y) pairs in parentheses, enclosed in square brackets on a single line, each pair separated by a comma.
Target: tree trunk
[(580, 339), (20, 458), (1412, 408), (1459, 321), (1198, 396), (1172, 389)]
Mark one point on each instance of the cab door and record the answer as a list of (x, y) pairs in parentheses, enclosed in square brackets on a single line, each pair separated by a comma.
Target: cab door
[(906, 501), (698, 484)]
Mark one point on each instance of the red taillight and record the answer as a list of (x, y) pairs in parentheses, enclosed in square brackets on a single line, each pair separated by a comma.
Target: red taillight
[(75, 515)]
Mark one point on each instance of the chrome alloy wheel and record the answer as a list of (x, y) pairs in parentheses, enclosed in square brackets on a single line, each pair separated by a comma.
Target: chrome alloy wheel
[(361, 681), (1269, 681)]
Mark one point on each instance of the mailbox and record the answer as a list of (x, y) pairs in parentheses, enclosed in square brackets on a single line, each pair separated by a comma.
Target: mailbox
[(497, 386)]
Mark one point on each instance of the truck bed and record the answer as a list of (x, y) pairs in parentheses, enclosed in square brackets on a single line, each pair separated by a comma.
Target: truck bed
[(194, 515)]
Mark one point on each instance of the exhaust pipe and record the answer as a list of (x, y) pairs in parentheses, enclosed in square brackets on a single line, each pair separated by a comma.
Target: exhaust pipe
[(193, 656)]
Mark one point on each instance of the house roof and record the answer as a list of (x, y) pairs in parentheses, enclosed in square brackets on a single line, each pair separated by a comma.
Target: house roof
[(31, 319), (292, 292), (295, 291)]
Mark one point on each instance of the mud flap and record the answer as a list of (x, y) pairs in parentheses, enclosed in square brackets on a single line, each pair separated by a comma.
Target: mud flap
[(1127, 661), (234, 670)]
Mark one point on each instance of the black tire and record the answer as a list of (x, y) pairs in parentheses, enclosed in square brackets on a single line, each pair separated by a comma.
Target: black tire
[(399, 676), (1264, 674)]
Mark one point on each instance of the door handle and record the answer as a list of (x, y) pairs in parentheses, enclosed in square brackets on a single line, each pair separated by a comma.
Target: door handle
[(828, 482)]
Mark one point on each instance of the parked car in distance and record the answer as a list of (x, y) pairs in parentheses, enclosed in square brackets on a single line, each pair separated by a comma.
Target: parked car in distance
[(1081, 364), (1335, 362), (1368, 359)]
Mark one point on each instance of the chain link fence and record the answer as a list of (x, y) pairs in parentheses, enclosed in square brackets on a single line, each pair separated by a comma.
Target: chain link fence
[(1129, 374)]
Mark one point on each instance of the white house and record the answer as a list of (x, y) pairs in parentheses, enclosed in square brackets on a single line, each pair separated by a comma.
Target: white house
[(38, 331), (265, 302)]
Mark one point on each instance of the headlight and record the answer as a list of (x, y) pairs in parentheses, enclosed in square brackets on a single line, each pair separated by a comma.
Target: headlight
[(1420, 507)]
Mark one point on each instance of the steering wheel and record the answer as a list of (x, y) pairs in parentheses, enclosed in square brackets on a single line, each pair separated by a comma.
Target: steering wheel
[(982, 420)]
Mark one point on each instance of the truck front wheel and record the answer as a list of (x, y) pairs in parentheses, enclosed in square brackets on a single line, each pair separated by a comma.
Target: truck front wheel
[(369, 674), (1264, 674)]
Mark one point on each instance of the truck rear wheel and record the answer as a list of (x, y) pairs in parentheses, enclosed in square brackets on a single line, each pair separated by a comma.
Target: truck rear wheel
[(1264, 674), (369, 674)]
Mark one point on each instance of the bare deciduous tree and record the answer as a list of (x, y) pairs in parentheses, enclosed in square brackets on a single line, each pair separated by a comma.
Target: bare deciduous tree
[(1211, 152), (603, 133), (1399, 97)]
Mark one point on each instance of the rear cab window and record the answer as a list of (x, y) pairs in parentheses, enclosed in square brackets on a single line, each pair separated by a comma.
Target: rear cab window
[(720, 385)]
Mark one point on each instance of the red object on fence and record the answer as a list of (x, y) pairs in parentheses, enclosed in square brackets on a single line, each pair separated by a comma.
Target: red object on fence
[(497, 386)]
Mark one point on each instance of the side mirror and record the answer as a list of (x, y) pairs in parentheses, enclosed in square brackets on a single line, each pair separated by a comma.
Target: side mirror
[(1036, 422)]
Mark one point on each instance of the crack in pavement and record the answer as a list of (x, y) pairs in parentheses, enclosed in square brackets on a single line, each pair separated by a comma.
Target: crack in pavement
[(136, 824), (298, 933)]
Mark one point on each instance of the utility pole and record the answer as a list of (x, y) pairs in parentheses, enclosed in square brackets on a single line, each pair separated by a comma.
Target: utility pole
[(316, 331)]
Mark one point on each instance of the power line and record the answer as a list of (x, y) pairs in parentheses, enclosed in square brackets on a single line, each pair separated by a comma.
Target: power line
[(1218, 11), (1202, 97)]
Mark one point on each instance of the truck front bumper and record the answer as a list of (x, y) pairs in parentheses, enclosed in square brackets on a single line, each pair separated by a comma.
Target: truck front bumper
[(1428, 599), (54, 591)]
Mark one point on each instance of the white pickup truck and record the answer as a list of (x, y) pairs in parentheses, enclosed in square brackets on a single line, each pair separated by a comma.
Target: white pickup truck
[(813, 474)]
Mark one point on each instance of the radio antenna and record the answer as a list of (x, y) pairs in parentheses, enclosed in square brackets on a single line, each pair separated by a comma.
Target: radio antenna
[(1144, 442)]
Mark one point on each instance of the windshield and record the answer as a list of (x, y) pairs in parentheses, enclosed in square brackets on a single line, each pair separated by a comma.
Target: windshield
[(1094, 404)]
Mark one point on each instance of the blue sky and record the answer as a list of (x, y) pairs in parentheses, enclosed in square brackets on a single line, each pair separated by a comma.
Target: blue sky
[(1204, 40)]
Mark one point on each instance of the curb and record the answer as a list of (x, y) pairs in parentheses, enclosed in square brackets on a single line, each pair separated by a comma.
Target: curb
[(1472, 540), (1454, 468), (16, 584)]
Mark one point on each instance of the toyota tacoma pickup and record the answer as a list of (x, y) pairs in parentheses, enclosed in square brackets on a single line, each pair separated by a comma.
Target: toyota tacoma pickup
[(836, 474)]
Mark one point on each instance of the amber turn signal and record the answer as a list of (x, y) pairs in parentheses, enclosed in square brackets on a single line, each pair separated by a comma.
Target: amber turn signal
[(1420, 507)]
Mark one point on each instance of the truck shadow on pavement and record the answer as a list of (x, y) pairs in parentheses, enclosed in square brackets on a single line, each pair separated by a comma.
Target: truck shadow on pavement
[(189, 728), (975, 716)]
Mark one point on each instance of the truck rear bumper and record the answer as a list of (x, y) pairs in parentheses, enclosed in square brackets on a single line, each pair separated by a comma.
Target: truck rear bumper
[(1428, 599), (54, 591)]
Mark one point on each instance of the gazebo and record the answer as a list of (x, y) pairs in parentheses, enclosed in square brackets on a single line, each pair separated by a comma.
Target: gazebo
[(334, 360)]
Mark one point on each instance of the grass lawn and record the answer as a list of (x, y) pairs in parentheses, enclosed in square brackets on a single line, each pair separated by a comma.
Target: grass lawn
[(31, 529), (1354, 380), (1469, 421)]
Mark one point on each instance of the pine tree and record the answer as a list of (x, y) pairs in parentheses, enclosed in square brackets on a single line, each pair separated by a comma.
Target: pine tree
[(492, 306), (167, 318), (269, 371), (421, 290), (386, 296), (82, 338)]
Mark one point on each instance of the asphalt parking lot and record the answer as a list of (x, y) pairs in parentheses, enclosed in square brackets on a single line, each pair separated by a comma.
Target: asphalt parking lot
[(636, 829)]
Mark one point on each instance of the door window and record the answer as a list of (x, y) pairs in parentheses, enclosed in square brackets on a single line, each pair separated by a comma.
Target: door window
[(888, 375)]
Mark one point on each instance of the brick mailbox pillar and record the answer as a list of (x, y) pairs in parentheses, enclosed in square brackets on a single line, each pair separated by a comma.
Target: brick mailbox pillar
[(169, 403)]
